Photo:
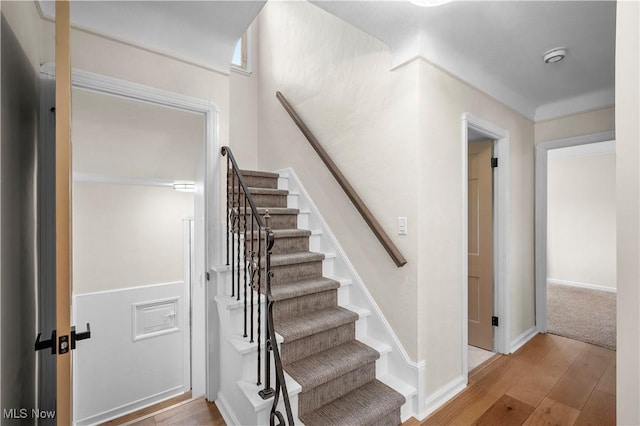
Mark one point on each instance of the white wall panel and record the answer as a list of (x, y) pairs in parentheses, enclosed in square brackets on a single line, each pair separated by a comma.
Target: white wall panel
[(113, 372)]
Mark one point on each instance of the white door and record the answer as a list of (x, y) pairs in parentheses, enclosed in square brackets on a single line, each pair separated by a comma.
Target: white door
[(480, 289)]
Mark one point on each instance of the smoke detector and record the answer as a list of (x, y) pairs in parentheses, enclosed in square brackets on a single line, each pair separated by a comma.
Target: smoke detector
[(554, 55)]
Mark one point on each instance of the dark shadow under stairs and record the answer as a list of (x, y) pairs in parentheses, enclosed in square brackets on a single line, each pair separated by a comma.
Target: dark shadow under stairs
[(337, 372)]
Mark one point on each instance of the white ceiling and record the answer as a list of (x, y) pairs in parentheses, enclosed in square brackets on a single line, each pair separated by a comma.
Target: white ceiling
[(202, 32), (496, 46)]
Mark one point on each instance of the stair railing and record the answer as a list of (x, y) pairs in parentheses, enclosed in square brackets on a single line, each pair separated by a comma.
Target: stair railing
[(368, 217), (249, 247)]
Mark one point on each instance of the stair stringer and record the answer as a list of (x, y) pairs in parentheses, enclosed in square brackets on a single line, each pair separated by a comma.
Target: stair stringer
[(237, 399), (394, 368)]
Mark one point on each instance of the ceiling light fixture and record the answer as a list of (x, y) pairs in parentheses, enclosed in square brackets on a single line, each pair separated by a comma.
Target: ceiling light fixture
[(429, 3), (184, 187), (554, 55)]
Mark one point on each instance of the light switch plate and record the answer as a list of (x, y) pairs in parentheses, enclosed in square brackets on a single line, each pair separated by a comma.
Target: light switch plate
[(402, 226)]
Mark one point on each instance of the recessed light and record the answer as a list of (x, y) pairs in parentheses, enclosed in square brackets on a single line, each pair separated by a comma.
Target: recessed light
[(555, 55)]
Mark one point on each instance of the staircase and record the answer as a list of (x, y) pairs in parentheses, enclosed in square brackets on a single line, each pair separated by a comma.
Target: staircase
[(336, 372), (341, 361)]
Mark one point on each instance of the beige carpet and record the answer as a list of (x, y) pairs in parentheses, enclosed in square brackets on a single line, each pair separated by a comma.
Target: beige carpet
[(582, 314)]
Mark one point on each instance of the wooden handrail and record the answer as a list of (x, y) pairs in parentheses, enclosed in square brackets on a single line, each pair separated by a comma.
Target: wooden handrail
[(368, 217)]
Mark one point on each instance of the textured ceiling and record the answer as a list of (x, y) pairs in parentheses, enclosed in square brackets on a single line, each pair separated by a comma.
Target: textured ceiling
[(202, 32), (496, 46)]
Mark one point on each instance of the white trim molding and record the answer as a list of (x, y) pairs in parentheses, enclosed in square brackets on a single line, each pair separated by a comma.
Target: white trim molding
[(588, 286), (519, 341), (501, 232), (541, 156), (443, 395)]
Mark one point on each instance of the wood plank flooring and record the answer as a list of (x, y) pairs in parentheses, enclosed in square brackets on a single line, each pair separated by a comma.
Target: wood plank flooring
[(551, 380), (148, 410), (194, 413)]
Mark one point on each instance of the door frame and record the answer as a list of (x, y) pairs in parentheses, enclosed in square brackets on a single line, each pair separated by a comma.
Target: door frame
[(205, 362), (542, 150), (501, 149)]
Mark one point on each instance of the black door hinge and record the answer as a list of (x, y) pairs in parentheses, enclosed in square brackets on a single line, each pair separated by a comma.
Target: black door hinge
[(208, 276), (494, 163), (494, 321)]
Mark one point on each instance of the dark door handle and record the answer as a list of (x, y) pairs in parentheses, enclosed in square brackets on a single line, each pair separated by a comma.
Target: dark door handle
[(44, 344), (79, 336)]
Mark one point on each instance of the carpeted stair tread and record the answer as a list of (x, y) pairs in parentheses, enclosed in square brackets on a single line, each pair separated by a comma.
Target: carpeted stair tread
[(296, 258), (272, 210), (286, 233), (317, 369), (257, 173), (303, 288), (365, 405), (306, 325), (254, 190)]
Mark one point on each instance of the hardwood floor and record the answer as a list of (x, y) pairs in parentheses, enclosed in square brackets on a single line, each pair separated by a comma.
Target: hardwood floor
[(148, 410), (551, 380), (194, 413)]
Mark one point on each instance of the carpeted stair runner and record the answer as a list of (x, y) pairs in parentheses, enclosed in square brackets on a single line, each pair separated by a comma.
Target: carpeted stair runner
[(336, 372)]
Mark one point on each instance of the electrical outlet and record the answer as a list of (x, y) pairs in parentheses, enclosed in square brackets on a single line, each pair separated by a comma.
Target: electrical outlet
[(402, 226)]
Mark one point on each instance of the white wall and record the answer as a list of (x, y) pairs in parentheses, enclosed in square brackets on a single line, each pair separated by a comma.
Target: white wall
[(91, 52), (114, 136), (243, 106), (444, 99), (396, 135), (113, 374), (20, 39), (576, 125), (628, 196), (338, 80), (581, 218), (127, 235)]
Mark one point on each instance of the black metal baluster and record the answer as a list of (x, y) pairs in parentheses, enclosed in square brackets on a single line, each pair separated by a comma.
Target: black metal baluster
[(244, 263), (233, 230), (253, 273), (228, 209), (256, 269), (238, 252), (267, 392), (259, 296)]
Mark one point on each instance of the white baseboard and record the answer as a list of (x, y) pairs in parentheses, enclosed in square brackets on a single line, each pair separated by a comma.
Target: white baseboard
[(442, 396), (582, 285), (130, 408), (225, 411), (523, 338)]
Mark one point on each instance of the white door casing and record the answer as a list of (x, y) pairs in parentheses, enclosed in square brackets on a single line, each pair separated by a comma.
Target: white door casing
[(542, 150), (205, 323), (501, 228)]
